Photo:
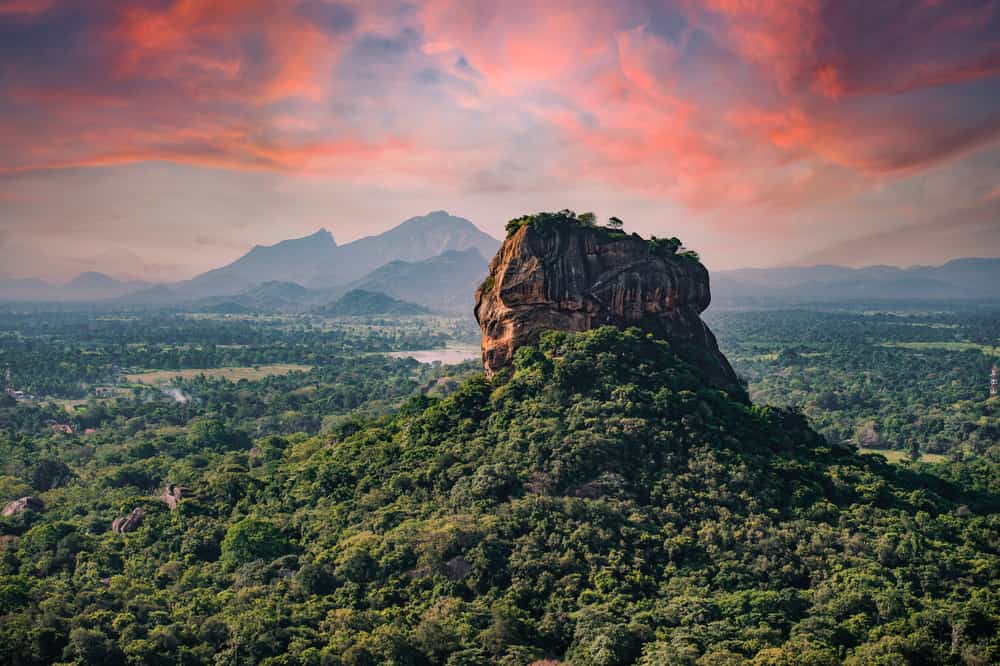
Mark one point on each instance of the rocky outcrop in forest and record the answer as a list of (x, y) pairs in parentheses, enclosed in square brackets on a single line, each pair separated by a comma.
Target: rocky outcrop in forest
[(556, 273), (21, 505), (129, 523)]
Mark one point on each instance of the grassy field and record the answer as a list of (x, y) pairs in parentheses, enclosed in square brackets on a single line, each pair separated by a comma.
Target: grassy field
[(947, 346), (154, 377), (894, 456)]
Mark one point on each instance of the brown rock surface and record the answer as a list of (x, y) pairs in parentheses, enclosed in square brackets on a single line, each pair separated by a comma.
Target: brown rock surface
[(129, 523), (22, 505), (172, 495), (574, 278)]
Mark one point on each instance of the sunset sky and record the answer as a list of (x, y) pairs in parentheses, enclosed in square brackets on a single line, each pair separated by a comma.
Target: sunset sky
[(160, 138)]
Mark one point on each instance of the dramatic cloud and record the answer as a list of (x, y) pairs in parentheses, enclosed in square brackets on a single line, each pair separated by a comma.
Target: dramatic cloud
[(739, 116)]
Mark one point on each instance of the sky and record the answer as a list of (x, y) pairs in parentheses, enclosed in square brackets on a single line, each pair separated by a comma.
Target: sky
[(157, 139)]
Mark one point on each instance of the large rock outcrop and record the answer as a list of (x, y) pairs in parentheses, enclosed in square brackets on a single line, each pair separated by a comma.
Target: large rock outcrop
[(22, 505), (129, 523), (173, 494), (571, 277)]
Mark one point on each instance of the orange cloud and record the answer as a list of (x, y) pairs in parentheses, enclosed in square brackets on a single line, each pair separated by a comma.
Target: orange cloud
[(720, 103), (202, 40)]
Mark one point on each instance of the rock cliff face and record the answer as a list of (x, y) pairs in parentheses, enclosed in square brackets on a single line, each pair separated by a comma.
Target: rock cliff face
[(570, 277)]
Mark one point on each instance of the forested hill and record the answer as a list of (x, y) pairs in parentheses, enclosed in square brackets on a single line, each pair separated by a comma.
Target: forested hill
[(595, 504)]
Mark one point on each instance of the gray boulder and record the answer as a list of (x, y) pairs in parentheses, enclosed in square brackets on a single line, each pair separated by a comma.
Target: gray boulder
[(129, 523)]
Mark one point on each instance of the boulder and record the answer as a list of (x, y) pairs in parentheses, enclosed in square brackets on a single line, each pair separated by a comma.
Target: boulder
[(573, 277), (129, 523), (22, 505), (172, 495)]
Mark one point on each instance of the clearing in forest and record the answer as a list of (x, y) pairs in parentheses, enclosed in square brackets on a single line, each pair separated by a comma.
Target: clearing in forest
[(154, 377)]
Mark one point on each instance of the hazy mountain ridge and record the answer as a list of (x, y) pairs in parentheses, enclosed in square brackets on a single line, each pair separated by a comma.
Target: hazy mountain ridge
[(271, 296), (967, 278), (296, 260), (316, 261), (361, 302), (90, 285), (435, 260), (444, 282), (417, 239)]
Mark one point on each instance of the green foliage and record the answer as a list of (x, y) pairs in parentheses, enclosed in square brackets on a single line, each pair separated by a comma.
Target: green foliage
[(488, 284), (251, 539), (208, 434), (884, 381), (65, 354), (665, 246), (567, 219), (361, 302), (48, 474), (598, 504), (672, 247)]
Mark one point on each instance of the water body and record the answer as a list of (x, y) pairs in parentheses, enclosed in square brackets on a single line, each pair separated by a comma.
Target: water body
[(447, 356)]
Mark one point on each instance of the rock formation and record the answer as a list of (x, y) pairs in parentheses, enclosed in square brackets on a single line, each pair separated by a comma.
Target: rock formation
[(22, 505), (173, 493), (569, 276), (129, 523)]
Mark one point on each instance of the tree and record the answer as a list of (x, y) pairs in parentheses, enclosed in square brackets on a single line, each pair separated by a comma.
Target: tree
[(615, 223), (252, 539), (666, 245), (49, 474), (208, 434), (587, 218)]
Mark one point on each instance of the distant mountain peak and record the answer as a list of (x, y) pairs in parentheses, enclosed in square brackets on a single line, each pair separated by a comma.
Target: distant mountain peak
[(316, 261), (437, 217), (93, 279), (321, 236)]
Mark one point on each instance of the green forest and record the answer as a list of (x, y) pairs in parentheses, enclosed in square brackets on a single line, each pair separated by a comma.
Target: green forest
[(910, 381), (596, 504)]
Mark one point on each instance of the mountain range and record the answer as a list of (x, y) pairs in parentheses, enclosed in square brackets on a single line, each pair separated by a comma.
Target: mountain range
[(960, 279), (317, 261), (87, 286), (437, 260)]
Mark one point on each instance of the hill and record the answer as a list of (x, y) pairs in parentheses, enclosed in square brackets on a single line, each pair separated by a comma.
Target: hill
[(89, 286), (415, 240), (559, 271), (444, 282), (270, 296), (597, 503), (359, 302), (316, 261), (961, 279), (603, 505), (296, 260), (26, 289)]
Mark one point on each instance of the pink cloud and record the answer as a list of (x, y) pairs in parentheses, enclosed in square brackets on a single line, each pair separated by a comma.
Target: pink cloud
[(713, 104), (24, 7)]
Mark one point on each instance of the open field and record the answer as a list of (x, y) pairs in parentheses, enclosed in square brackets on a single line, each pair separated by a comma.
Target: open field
[(946, 346), (895, 456), (154, 377)]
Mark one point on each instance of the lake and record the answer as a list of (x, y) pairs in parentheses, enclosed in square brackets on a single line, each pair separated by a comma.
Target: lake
[(447, 356)]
